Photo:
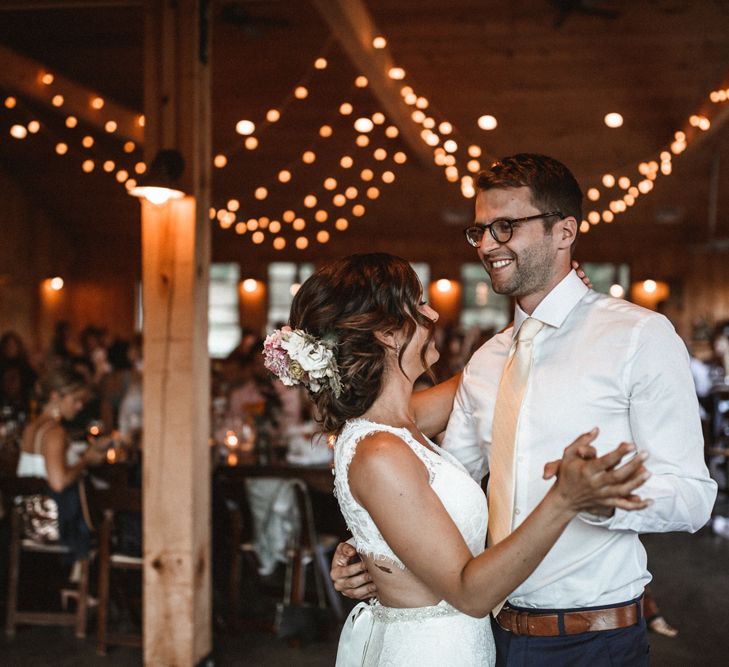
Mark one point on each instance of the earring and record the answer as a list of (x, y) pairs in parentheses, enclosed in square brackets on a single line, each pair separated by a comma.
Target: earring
[(55, 412), (397, 349)]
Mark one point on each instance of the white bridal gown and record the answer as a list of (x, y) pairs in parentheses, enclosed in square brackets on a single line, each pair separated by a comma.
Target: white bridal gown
[(437, 636)]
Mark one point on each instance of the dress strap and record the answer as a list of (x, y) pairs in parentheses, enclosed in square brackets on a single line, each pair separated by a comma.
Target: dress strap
[(39, 434), (358, 429)]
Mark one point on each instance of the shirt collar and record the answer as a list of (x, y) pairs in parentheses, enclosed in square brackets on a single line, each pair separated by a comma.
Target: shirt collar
[(554, 308)]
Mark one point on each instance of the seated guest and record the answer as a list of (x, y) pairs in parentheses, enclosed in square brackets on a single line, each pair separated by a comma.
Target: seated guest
[(115, 384), (44, 453)]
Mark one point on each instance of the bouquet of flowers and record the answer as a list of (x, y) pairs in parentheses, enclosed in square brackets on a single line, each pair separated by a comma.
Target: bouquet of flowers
[(297, 357)]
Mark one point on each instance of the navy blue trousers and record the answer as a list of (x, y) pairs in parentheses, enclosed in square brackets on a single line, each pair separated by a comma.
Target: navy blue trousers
[(625, 647)]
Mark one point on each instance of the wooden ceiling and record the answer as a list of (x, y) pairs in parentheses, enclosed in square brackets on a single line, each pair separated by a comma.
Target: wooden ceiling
[(548, 70)]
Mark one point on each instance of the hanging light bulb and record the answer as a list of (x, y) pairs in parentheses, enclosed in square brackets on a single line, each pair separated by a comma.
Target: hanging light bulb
[(245, 127), (613, 120), (363, 125), (487, 122), (18, 132)]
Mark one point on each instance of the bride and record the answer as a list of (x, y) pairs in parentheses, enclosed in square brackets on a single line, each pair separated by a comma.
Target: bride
[(360, 335)]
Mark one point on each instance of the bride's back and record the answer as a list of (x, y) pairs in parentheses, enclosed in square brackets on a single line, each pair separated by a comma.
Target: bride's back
[(397, 587)]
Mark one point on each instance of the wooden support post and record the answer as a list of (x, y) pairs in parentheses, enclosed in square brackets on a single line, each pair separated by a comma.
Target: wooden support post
[(175, 271)]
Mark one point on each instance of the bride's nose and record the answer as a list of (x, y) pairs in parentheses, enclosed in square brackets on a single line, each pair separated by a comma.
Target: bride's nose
[(430, 313)]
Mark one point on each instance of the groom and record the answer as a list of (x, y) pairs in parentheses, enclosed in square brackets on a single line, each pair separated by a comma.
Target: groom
[(596, 361)]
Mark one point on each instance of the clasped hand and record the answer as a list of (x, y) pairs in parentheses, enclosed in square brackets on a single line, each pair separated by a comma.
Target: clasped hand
[(595, 484)]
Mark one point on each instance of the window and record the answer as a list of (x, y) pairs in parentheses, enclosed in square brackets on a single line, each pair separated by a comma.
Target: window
[(284, 278), (481, 306), (605, 276), (223, 309), (423, 272)]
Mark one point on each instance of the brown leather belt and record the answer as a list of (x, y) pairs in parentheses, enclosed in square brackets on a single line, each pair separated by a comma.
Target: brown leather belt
[(535, 624)]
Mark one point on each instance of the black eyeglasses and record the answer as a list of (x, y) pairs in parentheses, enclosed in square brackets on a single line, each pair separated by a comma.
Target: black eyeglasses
[(501, 229)]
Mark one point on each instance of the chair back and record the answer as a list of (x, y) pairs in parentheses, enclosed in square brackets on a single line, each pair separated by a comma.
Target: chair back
[(10, 487), (119, 498)]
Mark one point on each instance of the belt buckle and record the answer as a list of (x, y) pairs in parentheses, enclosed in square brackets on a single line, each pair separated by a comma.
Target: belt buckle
[(522, 623)]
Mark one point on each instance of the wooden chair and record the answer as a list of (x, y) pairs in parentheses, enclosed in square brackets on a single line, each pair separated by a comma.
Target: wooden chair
[(116, 499), (307, 546), (24, 486), (310, 546), (239, 547), (719, 436)]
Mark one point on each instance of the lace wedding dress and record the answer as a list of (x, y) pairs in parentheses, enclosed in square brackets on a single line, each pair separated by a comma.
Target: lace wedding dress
[(437, 636)]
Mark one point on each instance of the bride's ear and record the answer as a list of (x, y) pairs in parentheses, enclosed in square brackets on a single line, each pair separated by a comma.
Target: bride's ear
[(386, 337)]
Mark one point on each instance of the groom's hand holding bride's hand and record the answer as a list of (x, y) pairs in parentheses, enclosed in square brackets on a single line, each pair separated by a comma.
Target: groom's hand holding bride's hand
[(596, 484), (350, 576)]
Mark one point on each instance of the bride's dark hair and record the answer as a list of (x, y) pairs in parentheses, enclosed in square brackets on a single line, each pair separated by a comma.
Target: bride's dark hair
[(348, 301)]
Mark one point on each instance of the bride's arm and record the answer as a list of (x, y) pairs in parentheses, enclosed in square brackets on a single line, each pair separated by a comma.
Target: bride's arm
[(389, 480), (432, 407)]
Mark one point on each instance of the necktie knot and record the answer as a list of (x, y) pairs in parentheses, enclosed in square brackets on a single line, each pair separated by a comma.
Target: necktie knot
[(529, 329)]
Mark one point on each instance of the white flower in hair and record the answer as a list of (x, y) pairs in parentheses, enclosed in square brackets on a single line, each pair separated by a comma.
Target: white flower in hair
[(315, 359), (294, 343), (297, 357)]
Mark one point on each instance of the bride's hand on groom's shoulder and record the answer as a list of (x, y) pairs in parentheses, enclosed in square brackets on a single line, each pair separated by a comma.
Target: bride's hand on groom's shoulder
[(597, 484), (349, 574), (581, 273)]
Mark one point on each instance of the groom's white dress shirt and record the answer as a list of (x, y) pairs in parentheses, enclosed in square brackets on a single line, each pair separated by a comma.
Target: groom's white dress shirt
[(600, 362)]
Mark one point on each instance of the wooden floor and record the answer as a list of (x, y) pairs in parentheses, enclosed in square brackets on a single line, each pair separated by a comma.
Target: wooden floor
[(691, 585)]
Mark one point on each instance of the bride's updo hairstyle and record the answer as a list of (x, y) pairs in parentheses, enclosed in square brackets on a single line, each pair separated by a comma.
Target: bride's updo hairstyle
[(347, 302)]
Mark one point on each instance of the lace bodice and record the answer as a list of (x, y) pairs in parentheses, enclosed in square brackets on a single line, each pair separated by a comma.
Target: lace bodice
[(462, 498)]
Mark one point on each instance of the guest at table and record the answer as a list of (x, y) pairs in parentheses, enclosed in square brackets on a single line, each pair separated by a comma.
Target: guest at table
[(45, 453), (253, 399), (124, 357), (720, 342)]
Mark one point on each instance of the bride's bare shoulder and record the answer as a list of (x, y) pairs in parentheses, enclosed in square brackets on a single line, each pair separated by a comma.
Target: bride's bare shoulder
[(384, 456)]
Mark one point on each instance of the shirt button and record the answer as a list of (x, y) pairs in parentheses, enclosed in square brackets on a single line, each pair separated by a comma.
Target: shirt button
[(517, 511)]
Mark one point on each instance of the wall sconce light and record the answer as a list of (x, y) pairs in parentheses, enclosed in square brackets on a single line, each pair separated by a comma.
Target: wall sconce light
[(55, 283), (444, 285), (649, 293), (159, 184)]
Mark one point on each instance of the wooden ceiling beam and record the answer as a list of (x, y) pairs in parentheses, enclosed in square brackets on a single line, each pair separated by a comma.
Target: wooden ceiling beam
[(353, 26), (23, 76), (34, 5)]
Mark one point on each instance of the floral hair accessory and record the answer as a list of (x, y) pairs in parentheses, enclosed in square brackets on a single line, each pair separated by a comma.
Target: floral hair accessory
[(297, 357)]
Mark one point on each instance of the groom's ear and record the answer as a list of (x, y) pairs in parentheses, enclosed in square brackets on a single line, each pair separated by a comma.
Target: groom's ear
[(566, 231)]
